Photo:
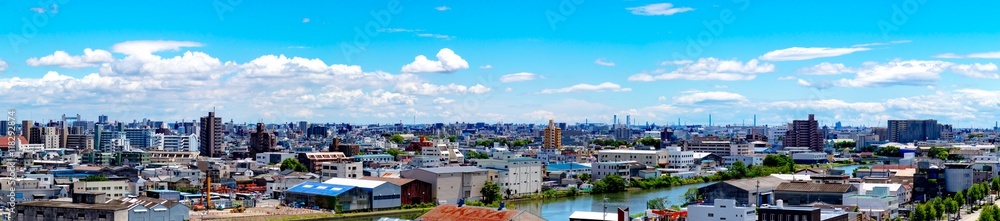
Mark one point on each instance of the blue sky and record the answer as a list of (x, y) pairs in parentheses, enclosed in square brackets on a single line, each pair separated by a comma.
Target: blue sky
[(859, 62)]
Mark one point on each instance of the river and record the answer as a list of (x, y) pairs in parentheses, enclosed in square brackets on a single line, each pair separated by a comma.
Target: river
[(560, 209)]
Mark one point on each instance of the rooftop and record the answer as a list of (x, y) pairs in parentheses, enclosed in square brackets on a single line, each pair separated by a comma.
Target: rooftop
[(397, 181), (462, 169), (317, 188), (814, 187), (367, 184)]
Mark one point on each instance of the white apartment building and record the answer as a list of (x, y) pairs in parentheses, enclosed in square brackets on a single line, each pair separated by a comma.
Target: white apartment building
[(651, 158), (751, 160), (50, 139), (519, 175), (723, 209), (679, 160), (178, 143), (720, 148), (341, 169), (113, 189), (621, 168)]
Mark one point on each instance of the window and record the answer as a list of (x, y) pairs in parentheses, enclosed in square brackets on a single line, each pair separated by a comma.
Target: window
[(711, 215)]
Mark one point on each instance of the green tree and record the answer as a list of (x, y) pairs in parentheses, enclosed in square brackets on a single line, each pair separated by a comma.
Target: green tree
[(95, 178), (649, 141), (452, 138), (738, 170), (394, 152), (691, 195), (890, 151), (951, 206), (490, 192), (658, 203), (615, 183), (293, 164), (396, 138), (585, 177)]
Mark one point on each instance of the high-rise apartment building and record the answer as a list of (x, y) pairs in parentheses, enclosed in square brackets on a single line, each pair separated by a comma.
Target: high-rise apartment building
[(261, 141), (210, 137), (552, 136), (804, 133), (179, 143), (908, 131), (26, 126), (141, 138), (3, 128)]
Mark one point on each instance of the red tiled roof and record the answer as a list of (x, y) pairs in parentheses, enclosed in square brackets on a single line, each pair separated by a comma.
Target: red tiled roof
[(5, 139), (451, 212)]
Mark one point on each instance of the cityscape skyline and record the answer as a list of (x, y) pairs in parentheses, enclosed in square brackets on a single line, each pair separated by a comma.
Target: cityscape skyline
[(427, 62)]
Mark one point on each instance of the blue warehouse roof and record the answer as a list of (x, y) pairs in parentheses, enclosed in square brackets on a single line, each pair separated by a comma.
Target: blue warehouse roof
[(317, 188), (565, 166)]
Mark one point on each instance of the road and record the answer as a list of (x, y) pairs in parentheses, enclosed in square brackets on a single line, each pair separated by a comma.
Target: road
[(975, 215)]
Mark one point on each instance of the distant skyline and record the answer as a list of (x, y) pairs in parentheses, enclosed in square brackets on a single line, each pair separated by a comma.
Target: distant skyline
[(857, 62)]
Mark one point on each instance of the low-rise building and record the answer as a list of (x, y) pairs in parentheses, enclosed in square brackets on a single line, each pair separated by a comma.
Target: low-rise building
[(383, 195), (624, 169), (515, 176), (650, 158), (799, 192), (411, 191), (112, 188), (722, 209), (451, 183), (342, 169)]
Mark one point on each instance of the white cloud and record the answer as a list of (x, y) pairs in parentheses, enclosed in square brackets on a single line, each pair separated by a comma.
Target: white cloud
[(785, 78), (486, 66), (441, 100), (709, 69), (992, 54), (828, 104), (911, 72), (146, 47), (447, 62), (602, 62), (676, 62), (606, 86), (305, 20), (539, 115), (442, 8), (394, 30), (518, 77), (948, 55), (509, 89), (804, 83), (662, 98), (977, 70), (3, 65), (664, 9), (37, 10), (881, 43), (438, 36), (825, 68), (802, 53), (984, 55), (429, 89), (698, 97), (90, 58)]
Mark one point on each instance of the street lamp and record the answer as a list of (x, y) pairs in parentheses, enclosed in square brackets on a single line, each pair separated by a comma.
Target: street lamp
[(605, 213)]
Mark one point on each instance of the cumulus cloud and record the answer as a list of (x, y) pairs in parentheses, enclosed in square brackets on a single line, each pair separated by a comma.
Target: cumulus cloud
[(984, 55), (803, 53), (441, 100), (447, 62), (3, 65), (825, 68), (658, 9), (709, 69), (146, 47), (786, 78), (699, 97), (90, 58), (518, 77), (486, 66), (429, 89), (603, 62), (977, 70), (913, 73), (606, 86)]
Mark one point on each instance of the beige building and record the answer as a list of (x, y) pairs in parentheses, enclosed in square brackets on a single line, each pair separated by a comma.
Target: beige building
[(720, 148), (342, 169), (552, 136), (450, 184), (172, 157), (112, 189)]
